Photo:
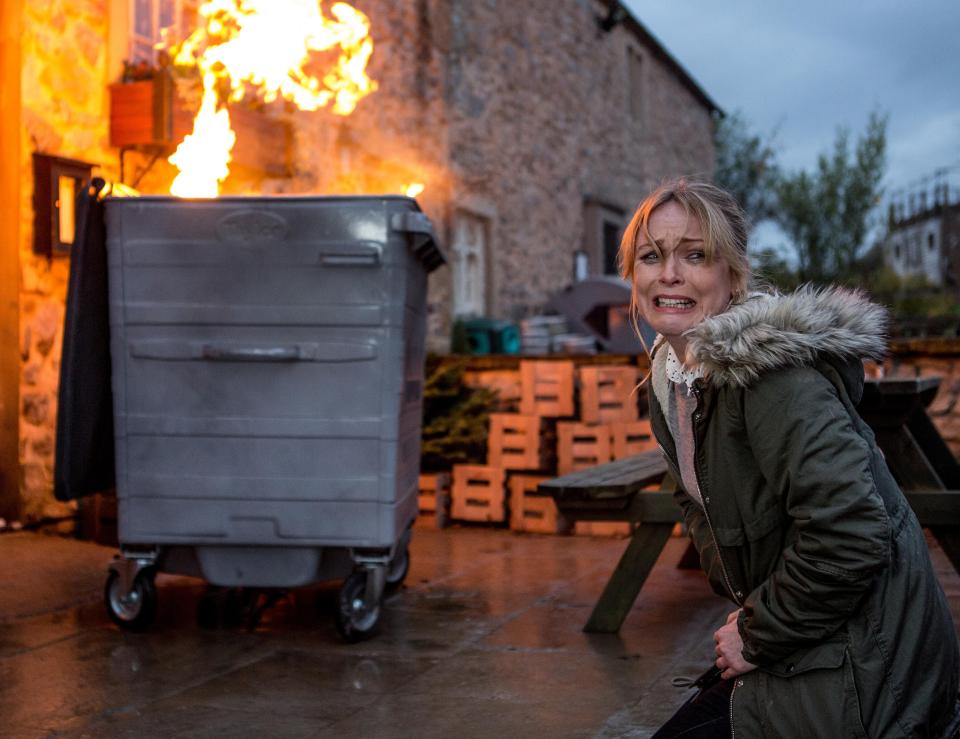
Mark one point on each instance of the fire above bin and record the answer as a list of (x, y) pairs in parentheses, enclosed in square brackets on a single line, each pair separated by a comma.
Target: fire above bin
[(600, 307)]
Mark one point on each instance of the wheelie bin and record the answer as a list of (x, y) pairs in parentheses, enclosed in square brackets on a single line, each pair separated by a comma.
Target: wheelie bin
[(267, 374)]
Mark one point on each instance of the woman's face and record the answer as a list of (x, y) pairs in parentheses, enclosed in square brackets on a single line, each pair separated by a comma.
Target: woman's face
[(679, 289)]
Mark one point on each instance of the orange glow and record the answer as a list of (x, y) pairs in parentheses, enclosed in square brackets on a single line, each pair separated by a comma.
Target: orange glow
[(261, 48), (203, 157), (413, 189)]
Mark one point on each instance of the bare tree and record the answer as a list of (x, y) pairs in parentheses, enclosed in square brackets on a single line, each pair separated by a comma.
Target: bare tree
[(746, 166), (826, 212)]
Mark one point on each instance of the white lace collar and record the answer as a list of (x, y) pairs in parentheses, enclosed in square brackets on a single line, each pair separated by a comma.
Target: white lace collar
[(678, 374)]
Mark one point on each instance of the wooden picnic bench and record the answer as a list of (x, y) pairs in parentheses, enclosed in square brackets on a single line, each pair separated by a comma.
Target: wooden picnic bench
[(917, 455)]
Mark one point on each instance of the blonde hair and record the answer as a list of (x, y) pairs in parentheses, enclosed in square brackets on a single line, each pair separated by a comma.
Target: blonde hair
[(722, 221)]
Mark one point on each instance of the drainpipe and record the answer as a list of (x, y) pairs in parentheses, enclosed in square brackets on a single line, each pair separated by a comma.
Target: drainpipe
[(11, 13)]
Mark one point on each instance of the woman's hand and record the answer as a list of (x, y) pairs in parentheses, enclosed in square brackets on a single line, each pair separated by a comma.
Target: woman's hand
[(729, 649)]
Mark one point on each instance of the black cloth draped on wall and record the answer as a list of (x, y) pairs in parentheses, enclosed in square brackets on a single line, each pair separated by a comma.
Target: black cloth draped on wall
[(84, 462)]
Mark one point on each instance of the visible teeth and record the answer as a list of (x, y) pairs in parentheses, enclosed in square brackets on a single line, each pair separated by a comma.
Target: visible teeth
[(671, 303)]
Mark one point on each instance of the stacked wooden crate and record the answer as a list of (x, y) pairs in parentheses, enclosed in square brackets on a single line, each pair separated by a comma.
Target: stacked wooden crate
[(608, 409), (478, 493), (546, 388), (505, 383), (546, 393), (434, 498), (521, 448), (608, 425), (540, 431), (532, 512)]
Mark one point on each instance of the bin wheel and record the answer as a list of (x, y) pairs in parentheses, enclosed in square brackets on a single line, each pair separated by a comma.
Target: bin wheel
[(133, 611), (398, 568), (356, 619)]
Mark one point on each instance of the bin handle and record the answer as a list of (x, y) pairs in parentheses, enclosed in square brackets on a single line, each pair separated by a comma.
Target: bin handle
[(241, 353), (352, 254), (226, 351)]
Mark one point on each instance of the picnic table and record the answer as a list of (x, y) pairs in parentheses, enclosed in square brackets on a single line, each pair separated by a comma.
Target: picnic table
[(639, 490)]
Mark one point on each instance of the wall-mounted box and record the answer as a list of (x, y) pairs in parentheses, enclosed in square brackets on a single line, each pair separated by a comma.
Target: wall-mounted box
[(151, 114)]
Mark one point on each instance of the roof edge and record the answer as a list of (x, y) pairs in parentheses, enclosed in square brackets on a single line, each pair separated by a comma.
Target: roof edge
[(660, 51)]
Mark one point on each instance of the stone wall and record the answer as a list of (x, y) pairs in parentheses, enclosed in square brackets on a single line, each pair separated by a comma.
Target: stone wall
[(518, 112), (396, 136), (541, 121), (64, 112)]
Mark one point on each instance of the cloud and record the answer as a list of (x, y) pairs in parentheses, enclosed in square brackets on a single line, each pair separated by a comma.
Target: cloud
[(926, 144), (807, 68)]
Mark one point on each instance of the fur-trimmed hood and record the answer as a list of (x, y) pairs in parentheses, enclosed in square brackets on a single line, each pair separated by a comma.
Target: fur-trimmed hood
[(772, 331)]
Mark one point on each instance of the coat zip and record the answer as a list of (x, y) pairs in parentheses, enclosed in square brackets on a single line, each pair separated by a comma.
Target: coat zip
[(737, 682), (723, 568), (706, 513)]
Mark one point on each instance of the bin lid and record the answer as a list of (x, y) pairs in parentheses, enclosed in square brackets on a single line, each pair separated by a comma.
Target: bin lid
[(422, 237), (399, 213)]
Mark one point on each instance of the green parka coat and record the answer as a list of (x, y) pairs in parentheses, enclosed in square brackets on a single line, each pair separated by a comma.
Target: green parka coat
[(804, 527)]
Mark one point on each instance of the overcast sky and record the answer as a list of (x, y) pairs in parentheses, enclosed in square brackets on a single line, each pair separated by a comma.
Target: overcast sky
[(805, 68)]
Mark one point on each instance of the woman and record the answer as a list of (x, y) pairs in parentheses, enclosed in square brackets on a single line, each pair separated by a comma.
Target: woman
[(841, 628)]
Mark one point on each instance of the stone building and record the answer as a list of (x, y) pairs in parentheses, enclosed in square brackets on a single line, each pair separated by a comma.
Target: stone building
[(535, 128), (923, 238)]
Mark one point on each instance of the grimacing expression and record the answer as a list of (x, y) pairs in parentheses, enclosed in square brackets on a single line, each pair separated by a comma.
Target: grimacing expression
[(677, 288)]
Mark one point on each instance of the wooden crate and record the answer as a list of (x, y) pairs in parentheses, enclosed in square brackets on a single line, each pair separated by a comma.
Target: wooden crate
[(607, 394), (631, 438), (532, 512), (580, 445), (433, 498), (602, 528), (505, 383), (478, 493), (547, 388), (518, 442)]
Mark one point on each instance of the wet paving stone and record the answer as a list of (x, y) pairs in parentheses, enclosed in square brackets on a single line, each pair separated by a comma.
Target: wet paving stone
[(485, 639)]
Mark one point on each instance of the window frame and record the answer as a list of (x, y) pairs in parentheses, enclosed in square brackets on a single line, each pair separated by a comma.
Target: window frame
[(598, 215), (636, 84), (136, 42), (461, 252)]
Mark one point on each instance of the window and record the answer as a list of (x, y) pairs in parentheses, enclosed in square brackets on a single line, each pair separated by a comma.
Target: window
[(931, 242), (469, 248), (915, 251), (56, 183), (611, 247), (602, 229), (153, 21), (635, 82)]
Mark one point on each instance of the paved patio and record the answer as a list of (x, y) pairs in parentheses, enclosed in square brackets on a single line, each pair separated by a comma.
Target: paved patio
[(485, 640)]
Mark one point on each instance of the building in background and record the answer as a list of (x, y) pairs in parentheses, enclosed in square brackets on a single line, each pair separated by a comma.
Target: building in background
[(534, 128), (923, 238)]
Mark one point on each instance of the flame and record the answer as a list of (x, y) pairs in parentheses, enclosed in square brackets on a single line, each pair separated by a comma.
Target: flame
[(203, 157), (261, 47), (413, 189)]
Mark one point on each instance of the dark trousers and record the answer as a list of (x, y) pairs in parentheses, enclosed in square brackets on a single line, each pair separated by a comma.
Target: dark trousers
[(705, 716)]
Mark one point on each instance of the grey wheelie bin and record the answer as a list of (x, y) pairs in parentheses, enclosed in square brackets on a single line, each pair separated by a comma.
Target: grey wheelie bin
[(267, 369)]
